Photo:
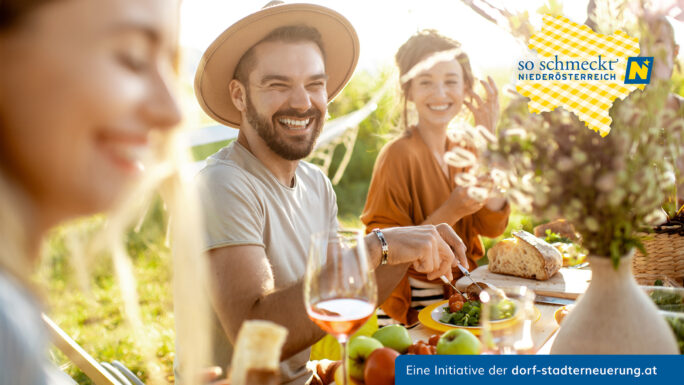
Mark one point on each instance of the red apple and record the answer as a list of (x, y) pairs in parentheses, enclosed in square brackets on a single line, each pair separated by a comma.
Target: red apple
[(380, 367)]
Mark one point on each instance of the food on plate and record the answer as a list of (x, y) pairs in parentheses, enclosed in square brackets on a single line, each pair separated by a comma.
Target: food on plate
[(395, 337), (669, 300), (456, 306), (525, 256), (504, 309), (468, 312), (457, 297), (468, 315), (380, 367), (473, 290), (552, 237), (677, 325), (458, 341), (257, 353), (573, 253)]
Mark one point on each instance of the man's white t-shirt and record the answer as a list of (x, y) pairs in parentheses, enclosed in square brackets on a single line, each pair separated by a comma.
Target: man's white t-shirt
[(244, 204)]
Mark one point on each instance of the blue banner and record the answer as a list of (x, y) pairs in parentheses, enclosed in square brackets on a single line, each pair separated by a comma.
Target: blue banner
[(549, 369)]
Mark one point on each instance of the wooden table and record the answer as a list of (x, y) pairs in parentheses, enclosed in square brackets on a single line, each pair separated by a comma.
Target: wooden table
[(542, 330)]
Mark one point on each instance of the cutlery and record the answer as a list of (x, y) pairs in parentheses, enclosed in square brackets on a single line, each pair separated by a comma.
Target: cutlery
[(580, 266), (553, 300), (467, 274), (446, 280)]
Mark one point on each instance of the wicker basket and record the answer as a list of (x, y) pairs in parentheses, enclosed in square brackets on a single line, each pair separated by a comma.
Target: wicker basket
[(650, 279), (665, 257)]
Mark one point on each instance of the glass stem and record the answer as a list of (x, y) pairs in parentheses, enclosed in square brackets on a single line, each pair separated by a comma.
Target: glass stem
[(345, 374)]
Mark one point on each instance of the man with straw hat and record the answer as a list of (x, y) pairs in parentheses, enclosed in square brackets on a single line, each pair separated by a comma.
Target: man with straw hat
[(271, 74)]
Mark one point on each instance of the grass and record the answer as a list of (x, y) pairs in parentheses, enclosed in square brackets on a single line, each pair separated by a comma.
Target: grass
[(203, 151), (95, 318)]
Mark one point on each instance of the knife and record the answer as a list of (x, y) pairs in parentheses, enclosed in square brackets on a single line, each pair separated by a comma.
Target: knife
[(467, 274), (553, 300), (446, 280)]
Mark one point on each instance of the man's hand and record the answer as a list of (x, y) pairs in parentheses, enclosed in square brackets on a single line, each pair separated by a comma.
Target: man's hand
[(433, 250)]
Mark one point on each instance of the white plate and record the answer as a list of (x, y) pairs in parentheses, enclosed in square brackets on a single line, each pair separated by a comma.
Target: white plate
[(437, 313)]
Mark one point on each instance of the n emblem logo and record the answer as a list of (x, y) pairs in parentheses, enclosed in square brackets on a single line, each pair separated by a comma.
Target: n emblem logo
[(639, 70)]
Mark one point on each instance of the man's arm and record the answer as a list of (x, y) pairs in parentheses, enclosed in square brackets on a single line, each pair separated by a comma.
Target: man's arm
[(243, 286), (242, 289)]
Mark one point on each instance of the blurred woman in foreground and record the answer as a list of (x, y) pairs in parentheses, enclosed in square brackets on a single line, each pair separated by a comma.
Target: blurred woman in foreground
[(86, 118)]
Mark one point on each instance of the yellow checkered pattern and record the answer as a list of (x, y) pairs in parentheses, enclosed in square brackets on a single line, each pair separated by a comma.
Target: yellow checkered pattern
[(590, 101)]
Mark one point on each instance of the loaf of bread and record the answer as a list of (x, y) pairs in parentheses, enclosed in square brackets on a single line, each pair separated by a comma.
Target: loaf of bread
[(525, 256), (560, 227), (256, 359)]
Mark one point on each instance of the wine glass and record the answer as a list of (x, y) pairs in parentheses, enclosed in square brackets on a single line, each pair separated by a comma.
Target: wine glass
[(339, 288), (507, 317)]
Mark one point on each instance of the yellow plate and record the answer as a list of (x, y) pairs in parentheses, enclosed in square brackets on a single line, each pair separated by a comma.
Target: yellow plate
[(558, 311), (425, 318)]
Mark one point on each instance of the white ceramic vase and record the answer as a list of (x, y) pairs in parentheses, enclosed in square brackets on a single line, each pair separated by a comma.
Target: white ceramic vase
[(614, 316)]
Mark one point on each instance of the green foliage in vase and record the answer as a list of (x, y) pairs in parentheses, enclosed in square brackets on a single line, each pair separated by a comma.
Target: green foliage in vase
[(609, 187)]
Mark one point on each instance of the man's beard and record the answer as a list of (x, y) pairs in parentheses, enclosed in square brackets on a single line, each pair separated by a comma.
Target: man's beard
[(280, 144)]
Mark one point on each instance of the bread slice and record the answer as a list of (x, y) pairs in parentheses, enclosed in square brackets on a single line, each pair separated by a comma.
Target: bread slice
[(525, 256), (256, 359)]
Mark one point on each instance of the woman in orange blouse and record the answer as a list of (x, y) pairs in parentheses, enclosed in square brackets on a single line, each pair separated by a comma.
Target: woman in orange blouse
[(412, 184)]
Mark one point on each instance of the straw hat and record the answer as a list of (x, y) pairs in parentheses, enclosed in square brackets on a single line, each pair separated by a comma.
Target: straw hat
[(217, 66)]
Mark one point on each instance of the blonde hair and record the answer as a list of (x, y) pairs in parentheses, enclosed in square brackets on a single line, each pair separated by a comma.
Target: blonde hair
[(191, 301), (13, 237)]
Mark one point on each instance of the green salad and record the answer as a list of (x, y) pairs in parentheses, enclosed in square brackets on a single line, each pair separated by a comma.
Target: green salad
[(671, 301), (469, 315), (677, 325), (668, 300), (552, 237)]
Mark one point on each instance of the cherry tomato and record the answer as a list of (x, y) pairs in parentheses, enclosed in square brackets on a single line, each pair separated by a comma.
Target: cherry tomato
[(456, 298), (455, 306)]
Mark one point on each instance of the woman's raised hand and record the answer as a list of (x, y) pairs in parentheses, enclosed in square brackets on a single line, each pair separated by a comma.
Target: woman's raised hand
[(486, 112)]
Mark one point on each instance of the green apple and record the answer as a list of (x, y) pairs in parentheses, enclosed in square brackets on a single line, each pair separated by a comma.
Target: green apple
[(458, 341), (359, 349), (340, 380), (395, 337)]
